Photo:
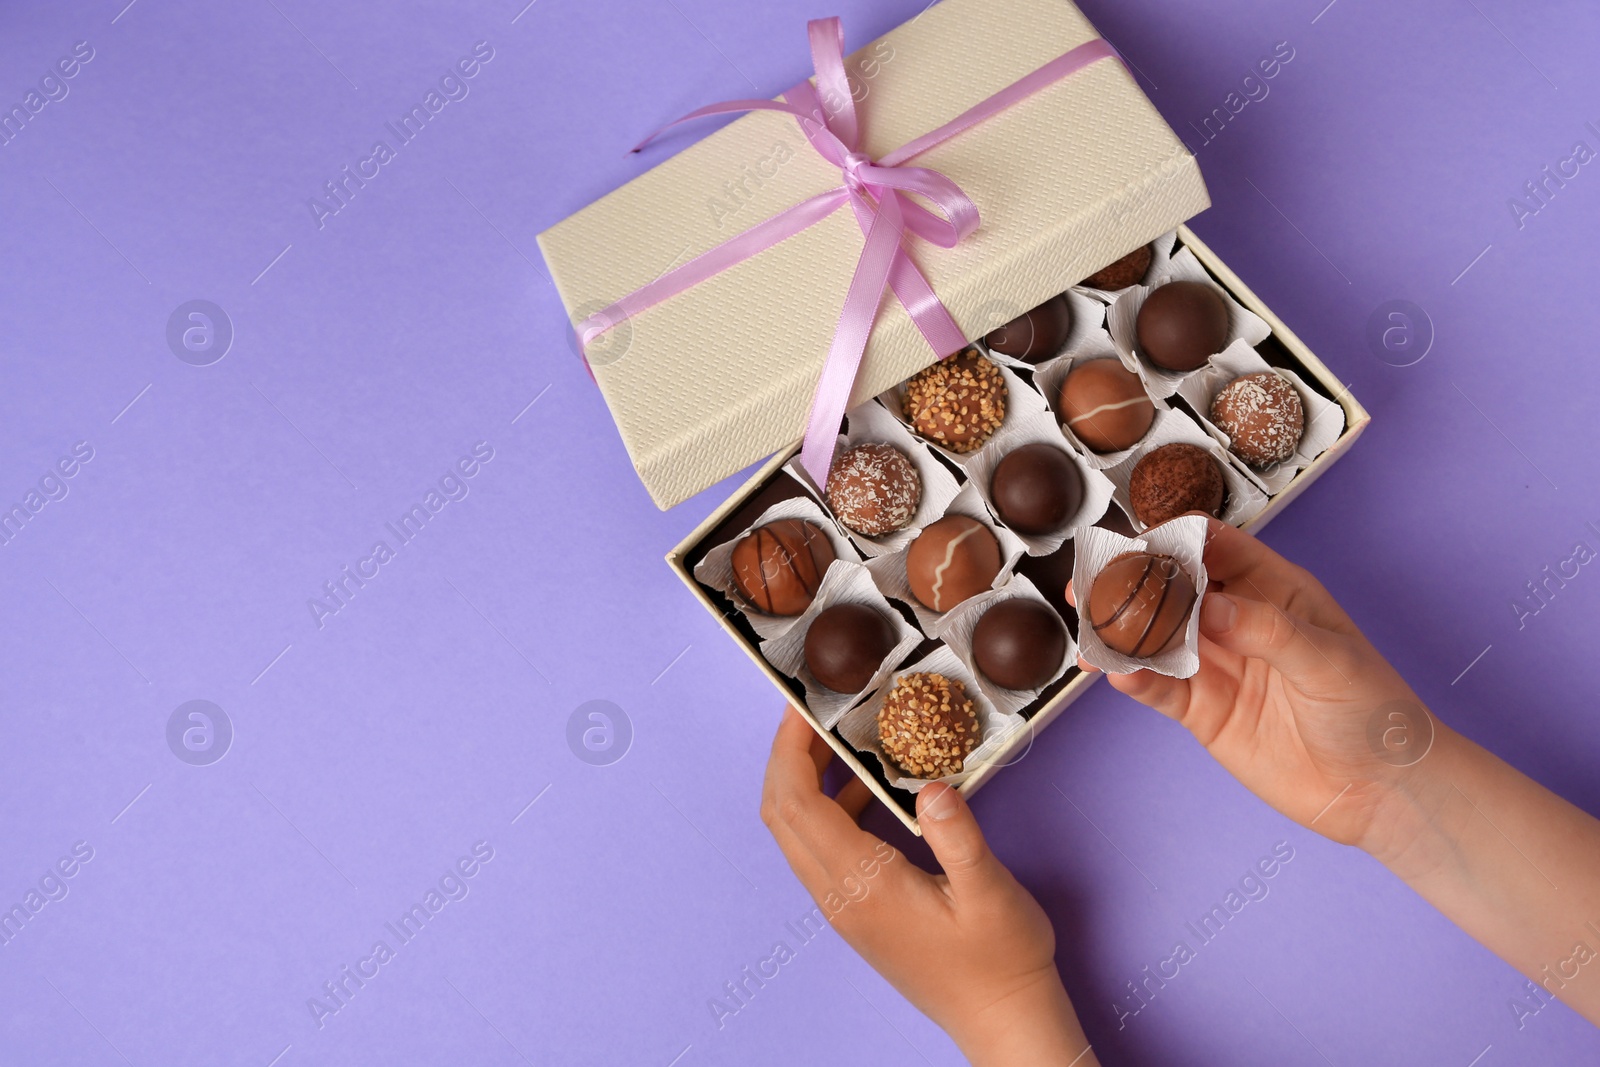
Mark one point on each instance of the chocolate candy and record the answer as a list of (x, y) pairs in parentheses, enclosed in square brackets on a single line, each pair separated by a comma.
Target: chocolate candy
[(1139, 604), (1035, 335), (1105, 405), (846, 644), (1036, 489), (1182, 324), (1019, 643), (958, 402), (1262, 416), (1174, 479), (874, 489), (951, 560), (779, 567), (927, 725), (1129, 270)]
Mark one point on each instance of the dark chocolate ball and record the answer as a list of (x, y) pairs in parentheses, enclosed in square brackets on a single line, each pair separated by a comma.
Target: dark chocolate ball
[(927, 725), (1174, 479), (1105, 405), (958, 402), (1262, 415), (951, 560), (846, 645), (1182, 324), (1036, 489), (1018, 644), (874, 489), (1129, 270), (1139, 604), (778, 567), (1035, 335)]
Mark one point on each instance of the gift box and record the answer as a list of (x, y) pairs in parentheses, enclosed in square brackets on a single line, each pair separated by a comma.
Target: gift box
[(1067, 178)]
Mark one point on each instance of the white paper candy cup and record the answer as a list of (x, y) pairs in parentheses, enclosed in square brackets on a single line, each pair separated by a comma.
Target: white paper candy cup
[(1088, 316), (1245, 498), (1184, 539), (859, 727), (1051, 376), (1160, 256), (716, 569), (1041, 428), (1123, 317), (962, 620), (889, 572), (1324, 418), (1022, 400), (846, 583)]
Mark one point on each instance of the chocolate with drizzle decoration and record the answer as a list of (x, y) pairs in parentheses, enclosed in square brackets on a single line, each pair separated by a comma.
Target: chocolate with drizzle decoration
[(1139, 604), (778, 567), (953, 559)]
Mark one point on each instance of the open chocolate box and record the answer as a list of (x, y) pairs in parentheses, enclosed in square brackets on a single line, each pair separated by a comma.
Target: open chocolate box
[(721, 375)]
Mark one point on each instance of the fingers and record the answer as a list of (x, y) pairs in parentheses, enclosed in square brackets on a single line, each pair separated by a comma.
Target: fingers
[(1305, 654), (1247, 568), (819, 837), (952, 833), (1169, 696)]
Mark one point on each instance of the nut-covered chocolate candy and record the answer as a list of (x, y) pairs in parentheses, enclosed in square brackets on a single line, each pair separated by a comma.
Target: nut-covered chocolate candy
[(1034, 335), (1174, 479), (778, 567), (1036, 489), (874, 489), (846, 644), (928, 726), (958, 402), (1019, 643), (1262, 416), (951, 560), (1105, 405), (1129, 270), (1182, 324), (1139, 604)]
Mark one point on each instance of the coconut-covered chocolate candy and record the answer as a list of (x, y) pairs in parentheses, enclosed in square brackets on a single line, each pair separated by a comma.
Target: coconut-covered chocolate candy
[(1034, 335), (778, 567), (1129, 270), (1262, 416), (953, 559), (1018, 644), (846, 644), (1174, 479), (1139, 604), (1182, 324), (958, 402), (874, 489), (927, 725)]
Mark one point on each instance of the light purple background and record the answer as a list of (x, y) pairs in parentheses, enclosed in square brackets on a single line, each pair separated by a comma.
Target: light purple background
[(429, 712)]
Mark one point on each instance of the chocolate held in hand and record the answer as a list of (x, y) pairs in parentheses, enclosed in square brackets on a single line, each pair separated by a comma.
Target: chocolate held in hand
[(927, 725), (958, 402), (1019, 643), (779, 567), (953, 559), (1174, 479), (1139, 604), (1034, 335), (1182, 324), (1105, 405), (1036, 489), (846, 645), (1129, 270)]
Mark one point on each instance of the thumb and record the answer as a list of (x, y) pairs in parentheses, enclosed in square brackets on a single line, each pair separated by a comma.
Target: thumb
[(957, 843), (1305, 654)]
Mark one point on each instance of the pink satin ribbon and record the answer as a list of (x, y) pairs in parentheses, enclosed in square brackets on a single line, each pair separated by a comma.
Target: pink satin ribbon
[(877, 191)]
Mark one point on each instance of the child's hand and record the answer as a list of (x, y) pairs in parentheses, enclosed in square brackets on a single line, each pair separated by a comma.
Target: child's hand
[(970, 948)]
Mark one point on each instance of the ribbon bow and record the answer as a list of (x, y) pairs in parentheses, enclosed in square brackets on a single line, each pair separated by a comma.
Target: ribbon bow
[(879, 192)]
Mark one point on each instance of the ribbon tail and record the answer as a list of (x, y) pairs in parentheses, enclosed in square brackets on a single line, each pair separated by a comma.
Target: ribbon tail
[(912, 289)]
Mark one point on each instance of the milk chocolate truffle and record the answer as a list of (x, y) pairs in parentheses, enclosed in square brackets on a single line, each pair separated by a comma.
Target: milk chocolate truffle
[(1174, 479), (874, 489), (927, 725), (846, 645), (958, 402), (1182, 324), (951, 560), (1019, 643), (1262, 416), (1105, 405), (779, 567), (1129, 270), (1035, 335), (1036, 489), (1139, 604)]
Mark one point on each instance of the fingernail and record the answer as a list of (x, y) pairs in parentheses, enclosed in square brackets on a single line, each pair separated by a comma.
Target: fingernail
[(1218, 613), (944, 804)]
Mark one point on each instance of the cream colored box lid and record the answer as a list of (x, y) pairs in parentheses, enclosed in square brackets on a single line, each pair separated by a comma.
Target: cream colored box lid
[(722, 375)]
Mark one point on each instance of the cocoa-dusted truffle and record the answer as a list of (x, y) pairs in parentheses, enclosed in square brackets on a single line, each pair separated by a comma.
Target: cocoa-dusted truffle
[(1182, 324), (1019, 643), (927, 725), (958, 402), (779, 567), (1105, 405), (953, 559), (1036, 489), (846, 644), (1034, 335), (1174, 479), (1129, 270), (1262, 416), (874, 489), (1139, 603)]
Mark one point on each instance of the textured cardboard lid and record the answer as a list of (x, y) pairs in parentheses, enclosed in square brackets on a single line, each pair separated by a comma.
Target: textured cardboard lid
[(722, 375)]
